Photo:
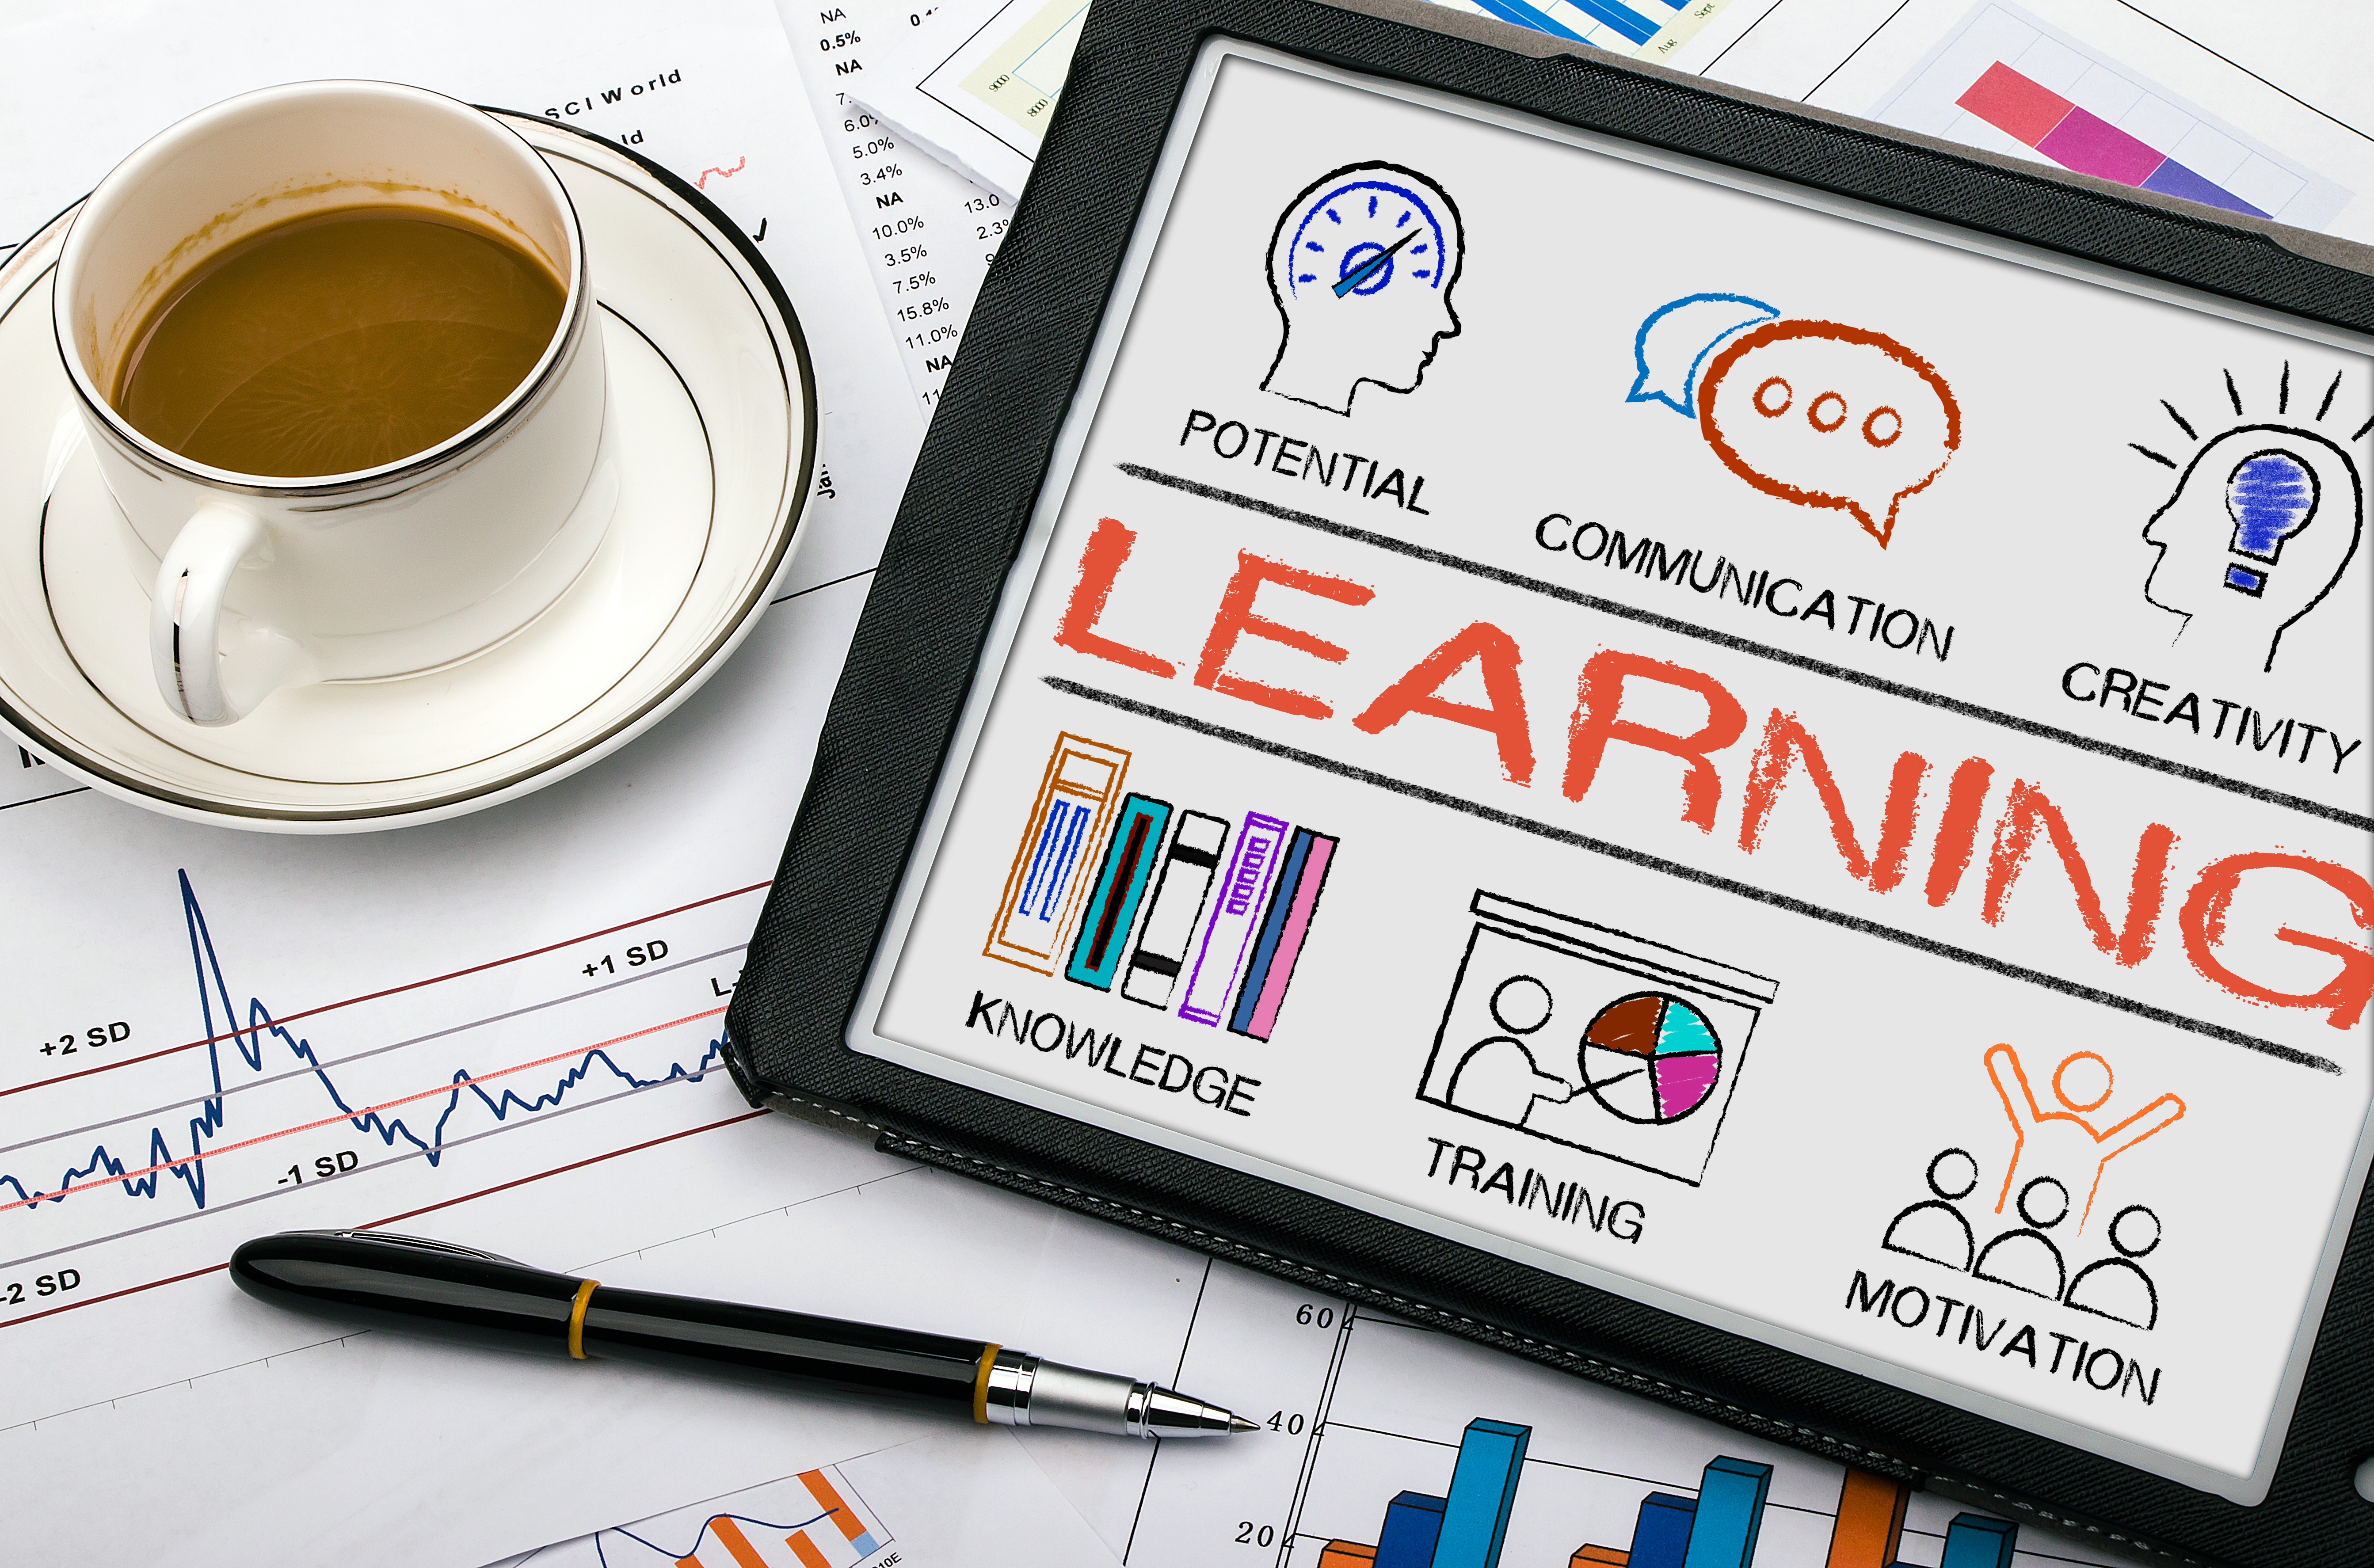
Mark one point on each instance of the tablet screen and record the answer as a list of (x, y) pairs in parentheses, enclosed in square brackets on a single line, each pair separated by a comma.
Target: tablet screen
[(1797, 765)]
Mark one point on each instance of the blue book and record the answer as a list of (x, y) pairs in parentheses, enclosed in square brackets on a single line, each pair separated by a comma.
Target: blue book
[(1120, 890), (1301, 878), (1973, 1540), (1413, 1523), (1483, 1489), (1731, 1512), (1661, 1537), (1272, 925)]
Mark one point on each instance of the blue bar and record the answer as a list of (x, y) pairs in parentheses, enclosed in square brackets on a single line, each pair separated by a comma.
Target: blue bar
[(1629, 22), (1973, 1540), (1731, 1512), (1524, 16), (1661, 1537), (2173, 179), (1483, 1487), (1413, 1522)]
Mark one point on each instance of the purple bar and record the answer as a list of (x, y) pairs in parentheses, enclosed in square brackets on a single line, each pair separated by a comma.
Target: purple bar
[(2091, 145), (2173, 178), (1236, 910)]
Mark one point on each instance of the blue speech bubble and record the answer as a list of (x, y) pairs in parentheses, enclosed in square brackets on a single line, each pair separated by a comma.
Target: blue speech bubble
[(1674, 344)]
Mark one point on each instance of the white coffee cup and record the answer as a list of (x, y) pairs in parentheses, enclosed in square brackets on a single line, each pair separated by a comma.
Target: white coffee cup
[(265, 582)]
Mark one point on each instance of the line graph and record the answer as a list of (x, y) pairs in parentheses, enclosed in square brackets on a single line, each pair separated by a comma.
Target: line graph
[(133, 1174), (210, 1039), (249, 1048)]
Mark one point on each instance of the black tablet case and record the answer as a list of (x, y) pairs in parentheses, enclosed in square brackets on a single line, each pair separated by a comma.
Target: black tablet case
[(912, 667)]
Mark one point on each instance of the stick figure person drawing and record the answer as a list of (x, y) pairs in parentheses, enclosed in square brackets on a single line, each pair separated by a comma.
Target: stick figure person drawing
[(2061, 1142)]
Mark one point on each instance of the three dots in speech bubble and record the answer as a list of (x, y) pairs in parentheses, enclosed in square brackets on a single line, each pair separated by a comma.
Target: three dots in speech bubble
[(1818, 414)]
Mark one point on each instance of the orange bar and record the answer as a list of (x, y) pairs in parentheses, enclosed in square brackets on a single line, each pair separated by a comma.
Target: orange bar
[(851, 1526), (687, 1563), (1871, 1521), (729, 1535), (1347, 1554), (805, 1551), (1611, 1557)]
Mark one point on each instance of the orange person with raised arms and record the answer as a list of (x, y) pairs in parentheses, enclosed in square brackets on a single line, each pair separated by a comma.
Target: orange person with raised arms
[(2062, 1143)]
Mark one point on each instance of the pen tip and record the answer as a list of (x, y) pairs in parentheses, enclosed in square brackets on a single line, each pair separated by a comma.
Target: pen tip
[(1169, 1414)]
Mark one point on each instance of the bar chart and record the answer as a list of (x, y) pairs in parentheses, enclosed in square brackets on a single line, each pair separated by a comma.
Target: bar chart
[(809, 1520), (1390, 1481), (1620, 24), (1717, 1528), (2008, 82)]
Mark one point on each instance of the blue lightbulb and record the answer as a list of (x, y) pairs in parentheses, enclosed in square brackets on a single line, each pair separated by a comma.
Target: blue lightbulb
[(2271, 497)]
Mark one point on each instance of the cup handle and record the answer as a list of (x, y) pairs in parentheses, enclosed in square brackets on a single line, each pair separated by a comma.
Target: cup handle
[(200, 679)]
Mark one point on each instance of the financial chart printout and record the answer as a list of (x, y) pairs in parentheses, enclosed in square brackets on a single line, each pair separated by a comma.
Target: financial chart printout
[(928, 233), (2175, 97), (1369, 1424), (1827, 787)]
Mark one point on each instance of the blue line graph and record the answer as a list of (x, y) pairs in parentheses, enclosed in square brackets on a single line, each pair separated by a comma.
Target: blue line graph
[(251, 1040)]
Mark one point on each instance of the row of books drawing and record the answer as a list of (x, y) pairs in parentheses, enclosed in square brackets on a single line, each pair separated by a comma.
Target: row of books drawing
[(1175, 895)]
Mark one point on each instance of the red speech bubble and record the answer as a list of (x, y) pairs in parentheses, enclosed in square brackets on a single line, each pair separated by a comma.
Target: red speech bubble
[(1825, 415)]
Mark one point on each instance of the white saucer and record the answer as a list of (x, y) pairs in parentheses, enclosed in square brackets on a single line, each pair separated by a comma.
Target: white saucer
[(712, 442)]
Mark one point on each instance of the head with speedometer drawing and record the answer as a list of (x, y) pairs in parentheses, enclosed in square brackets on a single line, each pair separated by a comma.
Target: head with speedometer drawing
[(1362, 266)]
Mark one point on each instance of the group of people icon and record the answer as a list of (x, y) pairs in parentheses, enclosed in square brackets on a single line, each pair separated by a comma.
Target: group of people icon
[(2056, 1153), (2025, 1256)]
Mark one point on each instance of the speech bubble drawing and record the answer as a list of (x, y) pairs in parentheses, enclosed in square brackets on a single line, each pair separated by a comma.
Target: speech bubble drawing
[(1674, 344), (1826, 415)]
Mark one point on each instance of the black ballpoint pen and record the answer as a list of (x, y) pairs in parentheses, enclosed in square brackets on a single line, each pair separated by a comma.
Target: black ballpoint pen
[(458, 1292)]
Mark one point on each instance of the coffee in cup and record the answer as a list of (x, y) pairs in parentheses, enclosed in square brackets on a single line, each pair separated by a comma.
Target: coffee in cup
[(338, 357), (338, 342)]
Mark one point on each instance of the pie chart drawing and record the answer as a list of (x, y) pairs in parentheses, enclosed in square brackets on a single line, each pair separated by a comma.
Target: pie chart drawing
[(1651, 1057)]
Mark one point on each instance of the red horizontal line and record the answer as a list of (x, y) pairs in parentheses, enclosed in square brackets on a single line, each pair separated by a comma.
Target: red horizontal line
[(408, 1214), (357, 1115), (559, 1170), (127, 1291), (392, 991)]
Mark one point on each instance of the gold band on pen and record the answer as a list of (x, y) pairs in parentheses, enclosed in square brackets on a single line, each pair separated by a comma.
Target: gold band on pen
[(981, 1383), (585, 1289)]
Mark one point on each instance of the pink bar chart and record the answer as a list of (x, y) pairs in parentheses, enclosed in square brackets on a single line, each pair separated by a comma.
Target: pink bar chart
[(2008, 82)]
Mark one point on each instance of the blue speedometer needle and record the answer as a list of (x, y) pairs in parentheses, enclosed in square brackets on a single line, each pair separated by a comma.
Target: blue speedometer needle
[(1361, 274)]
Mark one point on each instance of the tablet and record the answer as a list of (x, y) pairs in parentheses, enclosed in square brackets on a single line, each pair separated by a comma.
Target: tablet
[(1713, 743)]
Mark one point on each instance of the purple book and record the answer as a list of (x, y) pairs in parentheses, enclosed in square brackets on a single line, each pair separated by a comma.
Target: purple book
[(1235, 909)]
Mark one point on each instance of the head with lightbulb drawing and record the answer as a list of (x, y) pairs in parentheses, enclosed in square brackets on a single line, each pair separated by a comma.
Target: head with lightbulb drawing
[(2263, 521)]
